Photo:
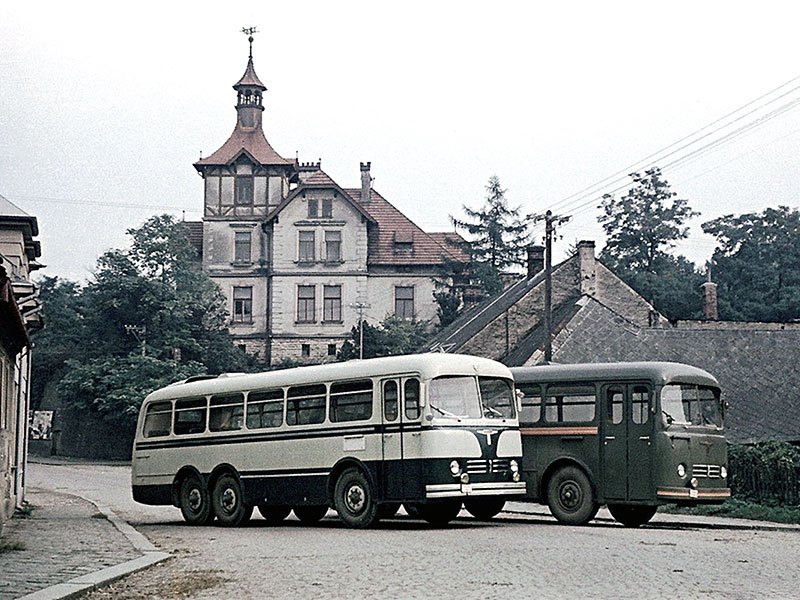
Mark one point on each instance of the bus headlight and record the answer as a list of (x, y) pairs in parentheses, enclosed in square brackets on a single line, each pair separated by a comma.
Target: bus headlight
[(723, 472), (514, 466), (681, 470), (464, 478), (455, 468)]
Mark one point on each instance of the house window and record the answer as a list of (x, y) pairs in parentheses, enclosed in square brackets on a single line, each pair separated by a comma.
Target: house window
[(327, 208), (305, 303), (332, 303), (243, 304), (404, 302), (306, 247), (313, 208), (243, 190), (241, 246), (331, 349), (305, 350), (333, 246)]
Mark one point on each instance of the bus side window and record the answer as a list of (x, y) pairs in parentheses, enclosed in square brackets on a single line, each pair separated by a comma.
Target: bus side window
[(190, 416), (305, 404), (411, 397), (226, 413), (570, 404), (390, 409), (157, 419), (640, 404), (265, 409), (614, 405), (351, 400), (531, 410)]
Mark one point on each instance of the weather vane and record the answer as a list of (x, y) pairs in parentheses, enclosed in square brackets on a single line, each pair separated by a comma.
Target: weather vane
[(249, 31)]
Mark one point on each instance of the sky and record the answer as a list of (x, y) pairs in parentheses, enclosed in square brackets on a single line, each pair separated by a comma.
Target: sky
[(104, 107)]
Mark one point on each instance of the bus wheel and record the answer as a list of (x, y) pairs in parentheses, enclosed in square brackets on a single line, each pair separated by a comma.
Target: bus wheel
[(484, 509), (195, 501), (440, 512), (310, 514), (228, 502), (388, 509), (630, 515), (569, 496), (274, 514), (354, 500)]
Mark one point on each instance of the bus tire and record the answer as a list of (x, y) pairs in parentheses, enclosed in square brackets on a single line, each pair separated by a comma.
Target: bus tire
[(309, 515), (274, 514), (354, 499), (440, 512), (195, 501), (570, 498), (228, 502), (484, 509), (632, 515)]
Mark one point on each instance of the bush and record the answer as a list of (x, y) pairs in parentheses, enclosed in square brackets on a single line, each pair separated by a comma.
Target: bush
[(766, 473)]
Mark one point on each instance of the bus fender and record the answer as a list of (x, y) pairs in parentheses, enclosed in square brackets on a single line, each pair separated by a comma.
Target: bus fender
[(344, 464), (564, 461), (184, 472)]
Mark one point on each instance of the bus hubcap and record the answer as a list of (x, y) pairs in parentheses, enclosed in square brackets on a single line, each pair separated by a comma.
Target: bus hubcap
[(194, 499), (570, 495), (228, 500), (354, 498)]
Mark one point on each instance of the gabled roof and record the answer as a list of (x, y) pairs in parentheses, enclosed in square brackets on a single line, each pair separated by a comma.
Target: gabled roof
[(392, 226), (321, 181), (252, 142)]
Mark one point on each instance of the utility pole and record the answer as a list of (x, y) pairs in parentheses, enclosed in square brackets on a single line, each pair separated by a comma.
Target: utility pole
[(360, 307), (551, 221), (136, 331)]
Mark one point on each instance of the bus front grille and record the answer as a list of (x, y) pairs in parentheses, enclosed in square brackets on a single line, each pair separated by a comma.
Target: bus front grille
[(496, 465), (706, 471)]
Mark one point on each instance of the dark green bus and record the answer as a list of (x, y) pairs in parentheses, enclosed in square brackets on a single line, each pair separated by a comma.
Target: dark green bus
[(630, 435)]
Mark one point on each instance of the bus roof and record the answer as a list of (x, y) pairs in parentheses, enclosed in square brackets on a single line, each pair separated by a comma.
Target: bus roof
[(426, 365), (657, 372)]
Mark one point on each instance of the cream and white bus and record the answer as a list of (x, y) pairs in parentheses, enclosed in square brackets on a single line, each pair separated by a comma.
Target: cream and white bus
[(432, 431)]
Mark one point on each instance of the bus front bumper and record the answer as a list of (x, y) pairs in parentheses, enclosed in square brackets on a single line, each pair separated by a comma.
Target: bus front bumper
[(693, 495), (455, 490)]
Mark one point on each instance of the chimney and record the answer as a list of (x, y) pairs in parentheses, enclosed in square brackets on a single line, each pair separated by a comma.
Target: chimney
[(587, 268), (535, 260), (366, 182), (709, 297)]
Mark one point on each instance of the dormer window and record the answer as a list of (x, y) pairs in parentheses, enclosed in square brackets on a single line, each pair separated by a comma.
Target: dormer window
[(403, 242), (327, 208), (313, 208)]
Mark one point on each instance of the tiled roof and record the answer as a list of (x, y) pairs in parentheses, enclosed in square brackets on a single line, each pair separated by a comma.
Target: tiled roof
[(318, 177), (393, 226), (249, 79), (252, 142), (756, 367)]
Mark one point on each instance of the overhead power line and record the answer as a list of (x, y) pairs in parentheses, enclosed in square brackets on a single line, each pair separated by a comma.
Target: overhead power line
[(50, 200)]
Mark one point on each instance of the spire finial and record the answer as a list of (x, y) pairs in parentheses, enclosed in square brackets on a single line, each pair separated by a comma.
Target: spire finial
[(249, 31)]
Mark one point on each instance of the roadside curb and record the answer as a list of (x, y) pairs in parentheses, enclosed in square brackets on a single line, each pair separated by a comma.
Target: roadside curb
[(85, 583)]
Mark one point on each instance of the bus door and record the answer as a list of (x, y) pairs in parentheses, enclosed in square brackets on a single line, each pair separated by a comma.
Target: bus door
[(626, 436), (392, 439)]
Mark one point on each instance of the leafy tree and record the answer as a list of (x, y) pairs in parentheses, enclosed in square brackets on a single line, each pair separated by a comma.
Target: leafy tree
[(646, 222), (757, 265), (392, 337), (498, 237), (641, 227), (150, 316)]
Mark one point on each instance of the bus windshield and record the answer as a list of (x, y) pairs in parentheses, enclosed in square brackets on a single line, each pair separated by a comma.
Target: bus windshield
[(688, 404), (461, 398)]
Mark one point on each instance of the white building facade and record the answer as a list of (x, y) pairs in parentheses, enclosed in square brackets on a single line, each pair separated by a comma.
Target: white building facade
[(300, 259)]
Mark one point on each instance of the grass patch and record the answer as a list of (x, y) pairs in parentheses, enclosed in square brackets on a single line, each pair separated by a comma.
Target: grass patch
[(742, 509), (9, 546)]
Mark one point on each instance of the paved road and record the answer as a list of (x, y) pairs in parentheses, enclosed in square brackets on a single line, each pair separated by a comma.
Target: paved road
[(517, 556)]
